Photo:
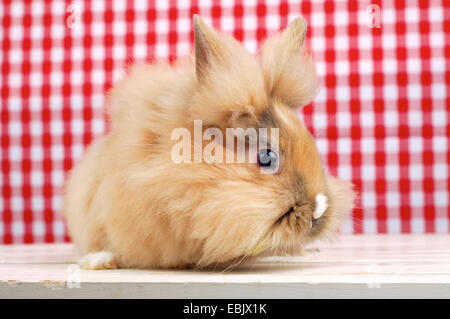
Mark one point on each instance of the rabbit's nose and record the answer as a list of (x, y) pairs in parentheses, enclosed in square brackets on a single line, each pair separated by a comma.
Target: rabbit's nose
[(321, 205)]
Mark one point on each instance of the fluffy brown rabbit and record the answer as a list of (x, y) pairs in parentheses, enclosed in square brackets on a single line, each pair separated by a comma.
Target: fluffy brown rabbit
[(129, 204)]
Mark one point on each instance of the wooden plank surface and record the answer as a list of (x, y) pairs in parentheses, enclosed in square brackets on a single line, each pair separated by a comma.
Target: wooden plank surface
[(365, 266)]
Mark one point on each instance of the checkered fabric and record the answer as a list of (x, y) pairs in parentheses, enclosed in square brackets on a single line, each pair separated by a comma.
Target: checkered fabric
[(381, 117)]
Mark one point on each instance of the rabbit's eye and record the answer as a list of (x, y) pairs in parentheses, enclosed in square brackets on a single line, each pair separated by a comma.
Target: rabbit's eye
[(267, 158)]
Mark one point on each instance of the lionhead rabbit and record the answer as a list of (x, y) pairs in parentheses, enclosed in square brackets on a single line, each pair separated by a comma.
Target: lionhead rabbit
[(128, 203)]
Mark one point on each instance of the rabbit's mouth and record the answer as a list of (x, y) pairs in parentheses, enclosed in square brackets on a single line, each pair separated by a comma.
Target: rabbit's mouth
[(295, 220), (305, 218), (315, 210), (299, 210), (285, 215)]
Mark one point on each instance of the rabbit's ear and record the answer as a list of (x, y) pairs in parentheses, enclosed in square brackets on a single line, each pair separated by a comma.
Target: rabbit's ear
[(231, 80), (210, 50), (289, 73), (294, 36)]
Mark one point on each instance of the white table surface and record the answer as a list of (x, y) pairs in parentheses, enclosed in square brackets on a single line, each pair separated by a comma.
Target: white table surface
[(361, 266)]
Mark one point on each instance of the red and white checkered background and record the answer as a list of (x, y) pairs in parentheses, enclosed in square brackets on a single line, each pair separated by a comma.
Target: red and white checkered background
[(381, 118)]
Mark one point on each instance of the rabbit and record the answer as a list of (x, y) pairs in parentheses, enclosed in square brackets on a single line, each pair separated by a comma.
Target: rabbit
[(128, 204)]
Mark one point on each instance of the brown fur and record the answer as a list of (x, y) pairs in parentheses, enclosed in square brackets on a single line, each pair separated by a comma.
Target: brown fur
[(128, 197)]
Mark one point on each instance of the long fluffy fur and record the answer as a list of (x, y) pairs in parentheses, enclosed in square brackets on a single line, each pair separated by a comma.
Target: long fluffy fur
[(126, 196)]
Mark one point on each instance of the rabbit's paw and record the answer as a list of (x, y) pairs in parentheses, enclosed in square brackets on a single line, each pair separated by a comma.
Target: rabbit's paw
[(98, 260)]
